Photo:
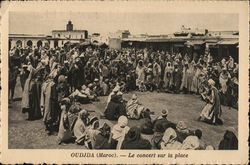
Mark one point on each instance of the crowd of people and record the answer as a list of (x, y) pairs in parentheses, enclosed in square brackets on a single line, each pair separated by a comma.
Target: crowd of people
[(56, 82)]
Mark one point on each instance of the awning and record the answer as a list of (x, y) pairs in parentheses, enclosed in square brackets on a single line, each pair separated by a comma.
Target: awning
[(178, 45), (134, 39), (192, 43), (211, 41), (74, 42), (229, 42), (169, 40), (211, 44)]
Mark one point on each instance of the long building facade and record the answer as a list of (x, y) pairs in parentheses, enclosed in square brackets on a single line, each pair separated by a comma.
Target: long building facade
[(24, 40), (57, 38), (219, 44)]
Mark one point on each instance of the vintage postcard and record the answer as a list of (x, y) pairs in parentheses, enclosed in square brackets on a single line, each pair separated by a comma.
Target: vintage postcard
[(118, 82)]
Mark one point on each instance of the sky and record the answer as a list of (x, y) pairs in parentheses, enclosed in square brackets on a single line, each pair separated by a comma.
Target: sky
[(104, 23)]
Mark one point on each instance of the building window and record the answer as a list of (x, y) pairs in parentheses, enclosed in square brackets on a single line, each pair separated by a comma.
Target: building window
[(58, 35), (69, 36), (81, 36)]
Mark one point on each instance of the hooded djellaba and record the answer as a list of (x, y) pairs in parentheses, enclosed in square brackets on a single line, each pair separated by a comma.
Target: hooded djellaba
[(157, 136), (31, 96), (119, 131), (133, 140), (146, 123), (103, 137), (115, 108), (182, 131), (64, 133), (26, 91), (190, 143), (81, 127), (229, 141), (169, 140)]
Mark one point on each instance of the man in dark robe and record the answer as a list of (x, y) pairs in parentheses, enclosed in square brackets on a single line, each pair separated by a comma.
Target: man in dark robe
[(177, 76), (87, 69), (94, 72), (115, 108), (133, 140), (162, 120), (229, 141), (76, 75), (55, 113), (35, 94), (102, 138)]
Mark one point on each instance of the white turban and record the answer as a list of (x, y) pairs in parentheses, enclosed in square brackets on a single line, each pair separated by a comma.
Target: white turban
[(123, 121), (211, 82), (169, 136), (190, 143)]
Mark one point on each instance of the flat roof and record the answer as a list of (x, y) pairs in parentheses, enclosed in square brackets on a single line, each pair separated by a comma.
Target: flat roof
[(195, 42), (28, 36), (69, 31), (228, 42)]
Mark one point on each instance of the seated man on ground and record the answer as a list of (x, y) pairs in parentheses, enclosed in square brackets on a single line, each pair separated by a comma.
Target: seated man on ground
[(182, 131), (81, 95), (157, 136), (114, 92), (209, 147), (190, 143), (162, 119), (73, 112), (229, 141), (198, 133), (142, 87), (115, 108), (64, 134), (97, 87), (133, 140), (102, 139), (92, 131), (146, 123), (134, 108), (91, 93), (169, 140), (80, 127), (118, 132), (105, 87)]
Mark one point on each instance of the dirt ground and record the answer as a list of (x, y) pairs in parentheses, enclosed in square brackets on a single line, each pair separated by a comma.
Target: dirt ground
[(25, 134)]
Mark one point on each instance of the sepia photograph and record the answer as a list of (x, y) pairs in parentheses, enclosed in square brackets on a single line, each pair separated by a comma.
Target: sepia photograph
[(135, 83), (114, 81)]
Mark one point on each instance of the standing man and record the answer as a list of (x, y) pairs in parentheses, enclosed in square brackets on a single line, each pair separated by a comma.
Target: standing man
[(24, 75), (13, 73), (157, 74), (212, 111)]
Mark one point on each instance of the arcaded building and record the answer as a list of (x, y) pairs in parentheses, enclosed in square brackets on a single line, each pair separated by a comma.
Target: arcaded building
[(57, 39)]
